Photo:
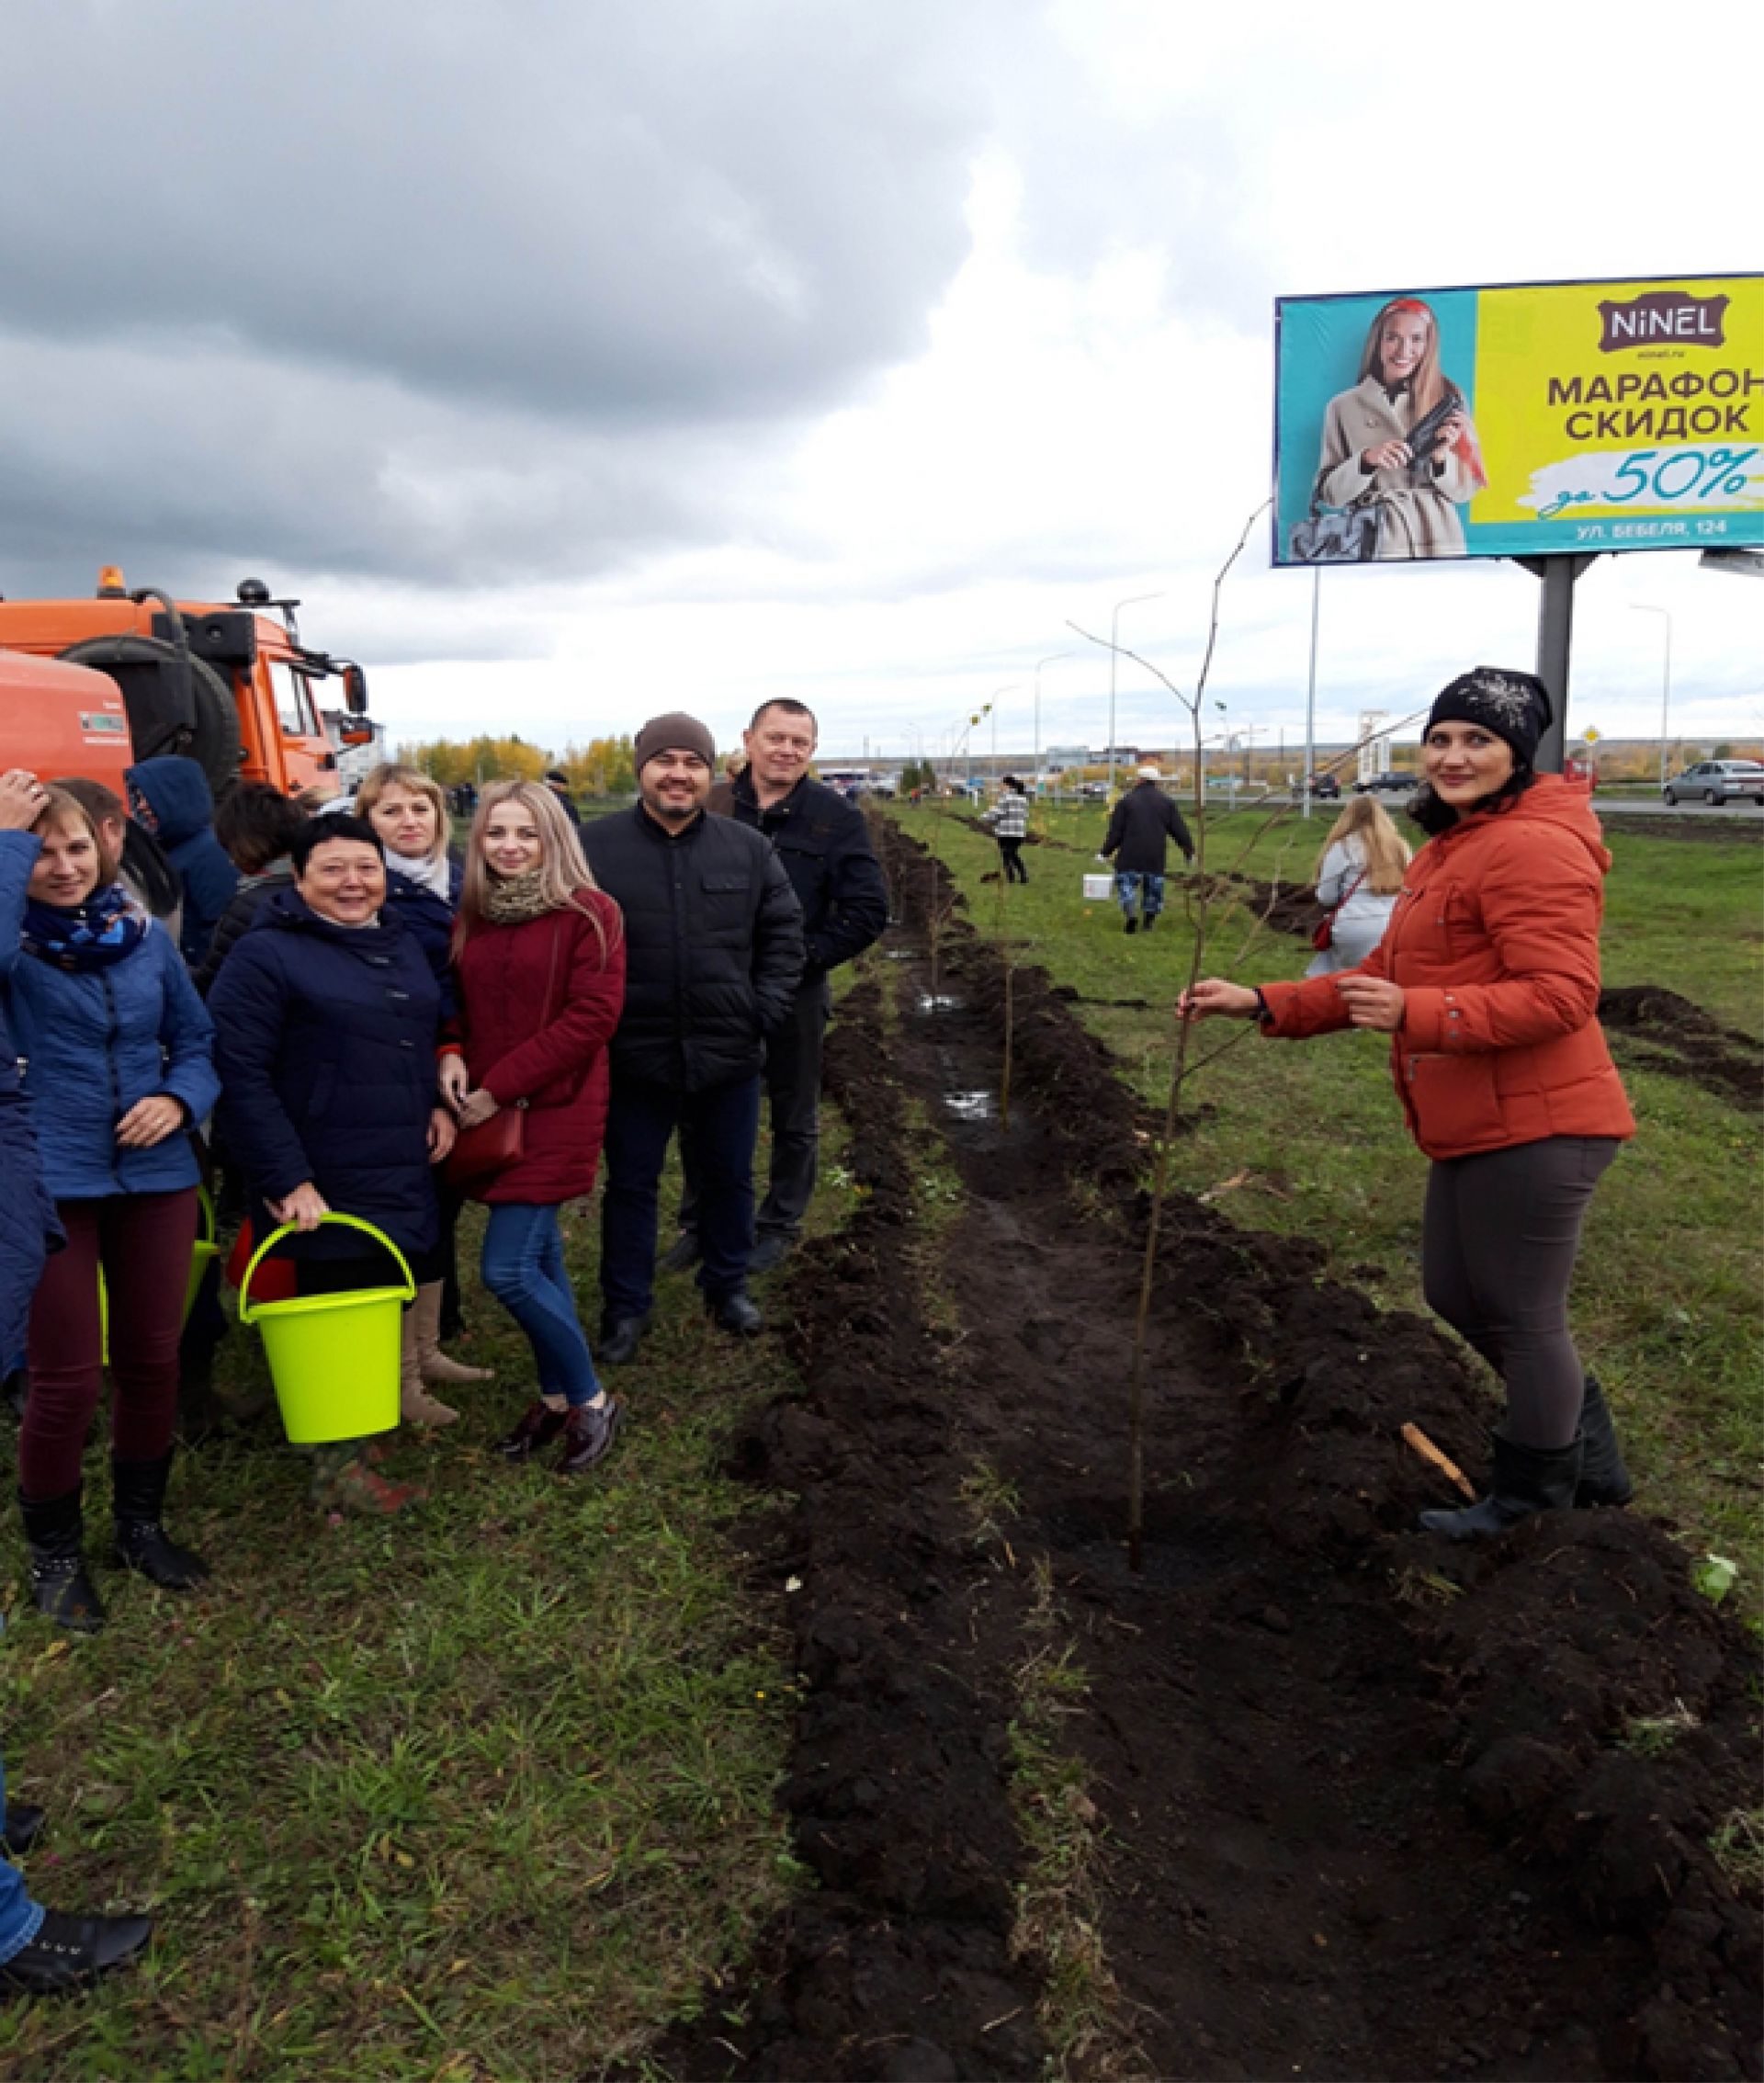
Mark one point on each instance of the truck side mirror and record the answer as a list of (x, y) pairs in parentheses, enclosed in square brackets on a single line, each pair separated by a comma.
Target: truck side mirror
[(355, 689)]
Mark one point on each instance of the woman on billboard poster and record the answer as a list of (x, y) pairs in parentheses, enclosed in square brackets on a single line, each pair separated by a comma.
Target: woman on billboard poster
[(1402, 440)]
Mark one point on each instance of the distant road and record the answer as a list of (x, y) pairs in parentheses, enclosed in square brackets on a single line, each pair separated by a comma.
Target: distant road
[(1657, 806)]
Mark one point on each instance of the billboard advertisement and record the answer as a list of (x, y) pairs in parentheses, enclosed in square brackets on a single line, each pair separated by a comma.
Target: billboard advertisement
[(1537, 419)]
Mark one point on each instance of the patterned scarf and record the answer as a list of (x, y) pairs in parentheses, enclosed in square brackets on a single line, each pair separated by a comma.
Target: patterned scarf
[(110, 924), (512, 900)]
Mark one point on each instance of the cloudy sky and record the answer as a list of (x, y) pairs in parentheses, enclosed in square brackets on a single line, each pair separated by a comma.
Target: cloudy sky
[(578, 361)]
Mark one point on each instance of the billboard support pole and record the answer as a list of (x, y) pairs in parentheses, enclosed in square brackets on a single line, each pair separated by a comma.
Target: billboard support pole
[(1554, 644), (1310, 689)]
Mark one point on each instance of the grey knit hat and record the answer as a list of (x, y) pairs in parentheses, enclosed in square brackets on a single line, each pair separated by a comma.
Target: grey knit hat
[(675, 733)]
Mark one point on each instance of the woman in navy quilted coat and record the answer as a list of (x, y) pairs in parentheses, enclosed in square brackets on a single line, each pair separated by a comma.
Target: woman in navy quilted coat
[(328, 1017), (119, 1067)]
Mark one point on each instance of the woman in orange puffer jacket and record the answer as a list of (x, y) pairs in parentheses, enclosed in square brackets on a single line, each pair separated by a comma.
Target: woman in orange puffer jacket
[(1487, 982)]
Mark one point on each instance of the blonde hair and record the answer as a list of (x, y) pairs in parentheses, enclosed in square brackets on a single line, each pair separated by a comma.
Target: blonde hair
[(62, 810), (1428, 384), (1388, 854), (564, 873), (391, 775)]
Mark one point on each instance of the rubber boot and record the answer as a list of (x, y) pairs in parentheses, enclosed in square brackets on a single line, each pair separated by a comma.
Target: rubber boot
[(60, 1587), (1525, 1480), (143, 1542), (1604, 1481), (415, 1405), (433, 1363)]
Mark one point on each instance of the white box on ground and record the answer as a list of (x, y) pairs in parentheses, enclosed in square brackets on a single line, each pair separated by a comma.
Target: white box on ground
[(1098, 889)]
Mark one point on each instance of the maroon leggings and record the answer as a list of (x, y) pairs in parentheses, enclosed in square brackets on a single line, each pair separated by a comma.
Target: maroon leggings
[(144, 1241)]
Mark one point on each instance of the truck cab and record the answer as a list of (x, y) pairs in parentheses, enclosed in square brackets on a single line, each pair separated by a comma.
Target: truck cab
[(230, 685)]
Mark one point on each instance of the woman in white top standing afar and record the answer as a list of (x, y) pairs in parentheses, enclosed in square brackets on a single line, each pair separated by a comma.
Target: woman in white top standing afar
[(1358, 879)]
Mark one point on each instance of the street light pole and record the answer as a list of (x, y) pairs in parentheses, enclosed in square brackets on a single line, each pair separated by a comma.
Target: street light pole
[(1310, 689), (1114, 632), (1641, 607), (1015, 688), (1052, 658)]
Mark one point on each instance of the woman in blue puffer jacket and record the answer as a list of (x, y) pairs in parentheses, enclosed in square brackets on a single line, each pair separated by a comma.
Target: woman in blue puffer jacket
[(119, 1054)]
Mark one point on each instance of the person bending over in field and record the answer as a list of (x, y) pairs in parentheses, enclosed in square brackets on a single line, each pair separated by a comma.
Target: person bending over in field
[(1486, 981)]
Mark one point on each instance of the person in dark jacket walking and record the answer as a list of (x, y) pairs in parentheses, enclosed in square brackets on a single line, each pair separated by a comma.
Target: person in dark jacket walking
[(171, 798), (118, 1066), (327, 1018), (824, 844), (541, 972), (1145, 820), (713, 962)]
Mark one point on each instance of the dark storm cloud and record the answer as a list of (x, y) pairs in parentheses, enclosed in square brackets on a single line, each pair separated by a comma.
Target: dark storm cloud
[(459, 295), (600, 211)]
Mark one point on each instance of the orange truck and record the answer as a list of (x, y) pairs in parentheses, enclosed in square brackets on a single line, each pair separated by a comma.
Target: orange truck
[(89, 687)]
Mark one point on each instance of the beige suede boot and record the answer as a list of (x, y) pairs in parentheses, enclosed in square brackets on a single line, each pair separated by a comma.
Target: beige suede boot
[(415, 1405), (432, 1360)]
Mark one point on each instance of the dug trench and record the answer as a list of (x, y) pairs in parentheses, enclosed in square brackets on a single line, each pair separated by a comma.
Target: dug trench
[(1372, 1807)]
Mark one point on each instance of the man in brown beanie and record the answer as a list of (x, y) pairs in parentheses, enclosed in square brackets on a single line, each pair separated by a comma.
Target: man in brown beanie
[(714, 953)]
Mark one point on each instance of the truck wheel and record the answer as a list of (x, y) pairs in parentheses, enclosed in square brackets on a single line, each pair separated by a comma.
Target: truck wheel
[(142, 667)]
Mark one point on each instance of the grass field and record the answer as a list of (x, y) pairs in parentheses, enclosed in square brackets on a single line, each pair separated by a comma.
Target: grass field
[(1311, 1140), (485, 1791)]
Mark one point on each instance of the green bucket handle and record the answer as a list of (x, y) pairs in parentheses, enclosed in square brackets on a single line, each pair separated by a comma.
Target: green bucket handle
[(246, 1313)]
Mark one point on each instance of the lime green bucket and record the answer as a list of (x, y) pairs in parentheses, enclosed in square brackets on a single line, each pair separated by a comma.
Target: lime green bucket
[(202, 1254), (333, 1358)]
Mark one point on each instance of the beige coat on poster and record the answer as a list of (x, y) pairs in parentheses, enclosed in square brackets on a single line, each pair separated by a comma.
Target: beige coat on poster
[(1419, 520)]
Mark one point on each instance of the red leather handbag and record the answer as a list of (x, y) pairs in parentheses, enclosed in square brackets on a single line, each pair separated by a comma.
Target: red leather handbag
[(479, 1153)]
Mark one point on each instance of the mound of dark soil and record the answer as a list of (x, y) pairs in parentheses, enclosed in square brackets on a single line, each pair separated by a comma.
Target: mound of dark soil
[(1375, 1806), (1660, 1031), (899, 1966)]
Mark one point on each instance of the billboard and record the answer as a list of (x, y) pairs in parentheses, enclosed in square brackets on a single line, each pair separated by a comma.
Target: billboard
[(1537, 419)]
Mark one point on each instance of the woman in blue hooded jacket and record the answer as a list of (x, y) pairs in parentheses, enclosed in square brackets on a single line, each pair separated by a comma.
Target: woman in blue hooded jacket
[(118, 1066), (40, 1950)]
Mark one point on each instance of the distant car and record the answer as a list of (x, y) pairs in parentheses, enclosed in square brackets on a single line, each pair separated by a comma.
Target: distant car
[(1718, 781), (1392, 784), (1094, 791), (1325, 787)]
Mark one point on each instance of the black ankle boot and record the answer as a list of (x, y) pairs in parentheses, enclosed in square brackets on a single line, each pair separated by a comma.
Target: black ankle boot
[(69, 1952), (143, 1542), (1525, 1480), (60, 1588), (1603, 1479)]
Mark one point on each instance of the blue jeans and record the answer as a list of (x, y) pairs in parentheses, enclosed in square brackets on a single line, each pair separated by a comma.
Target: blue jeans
[(21, 1918), (1128, 886), (723, 1125), (523, 1269)]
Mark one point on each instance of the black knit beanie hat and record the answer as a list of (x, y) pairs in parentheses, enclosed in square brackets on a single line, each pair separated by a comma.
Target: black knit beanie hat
[(675, 733), (1514, 706)]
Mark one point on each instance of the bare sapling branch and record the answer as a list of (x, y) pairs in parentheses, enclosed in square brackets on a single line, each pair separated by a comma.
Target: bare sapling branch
[(1172, 1108)]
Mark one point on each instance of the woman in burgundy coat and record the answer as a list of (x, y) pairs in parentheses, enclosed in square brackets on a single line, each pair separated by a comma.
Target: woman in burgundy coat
[(539, 952)]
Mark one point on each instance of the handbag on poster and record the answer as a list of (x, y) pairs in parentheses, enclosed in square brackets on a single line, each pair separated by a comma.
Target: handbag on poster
[(1340, 535)]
